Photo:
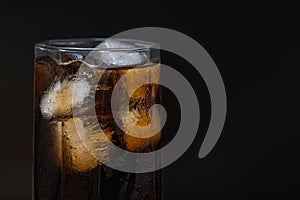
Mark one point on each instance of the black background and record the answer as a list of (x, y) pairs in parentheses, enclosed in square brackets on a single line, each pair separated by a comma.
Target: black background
[(256, 48)]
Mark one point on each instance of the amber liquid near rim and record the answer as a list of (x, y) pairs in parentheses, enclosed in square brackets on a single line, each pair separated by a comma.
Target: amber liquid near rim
[(63, 167)]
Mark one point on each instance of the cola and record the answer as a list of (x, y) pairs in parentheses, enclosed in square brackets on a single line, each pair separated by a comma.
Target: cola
[(64, 164)]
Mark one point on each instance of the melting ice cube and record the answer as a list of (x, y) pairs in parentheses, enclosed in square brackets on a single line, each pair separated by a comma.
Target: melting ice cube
[(57, 101), (120, 53)]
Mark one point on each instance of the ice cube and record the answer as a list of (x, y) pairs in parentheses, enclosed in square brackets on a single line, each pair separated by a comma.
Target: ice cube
[(77, 155), (57, 101), (120, 53), (136, 77), (140, 117)]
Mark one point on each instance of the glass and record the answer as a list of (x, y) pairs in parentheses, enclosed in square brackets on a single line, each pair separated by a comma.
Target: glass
[(64, 167)]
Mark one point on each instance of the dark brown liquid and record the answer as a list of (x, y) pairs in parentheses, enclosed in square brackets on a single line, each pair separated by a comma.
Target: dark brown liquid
[(63, 167)]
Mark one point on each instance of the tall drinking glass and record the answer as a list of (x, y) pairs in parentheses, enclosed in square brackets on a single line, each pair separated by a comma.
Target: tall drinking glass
[(65, 166)]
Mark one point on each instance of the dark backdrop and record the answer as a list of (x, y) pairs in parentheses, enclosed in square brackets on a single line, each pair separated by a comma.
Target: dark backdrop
[(256, 48)]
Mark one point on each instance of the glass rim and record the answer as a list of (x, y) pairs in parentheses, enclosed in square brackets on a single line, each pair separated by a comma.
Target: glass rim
[(77, 45)]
